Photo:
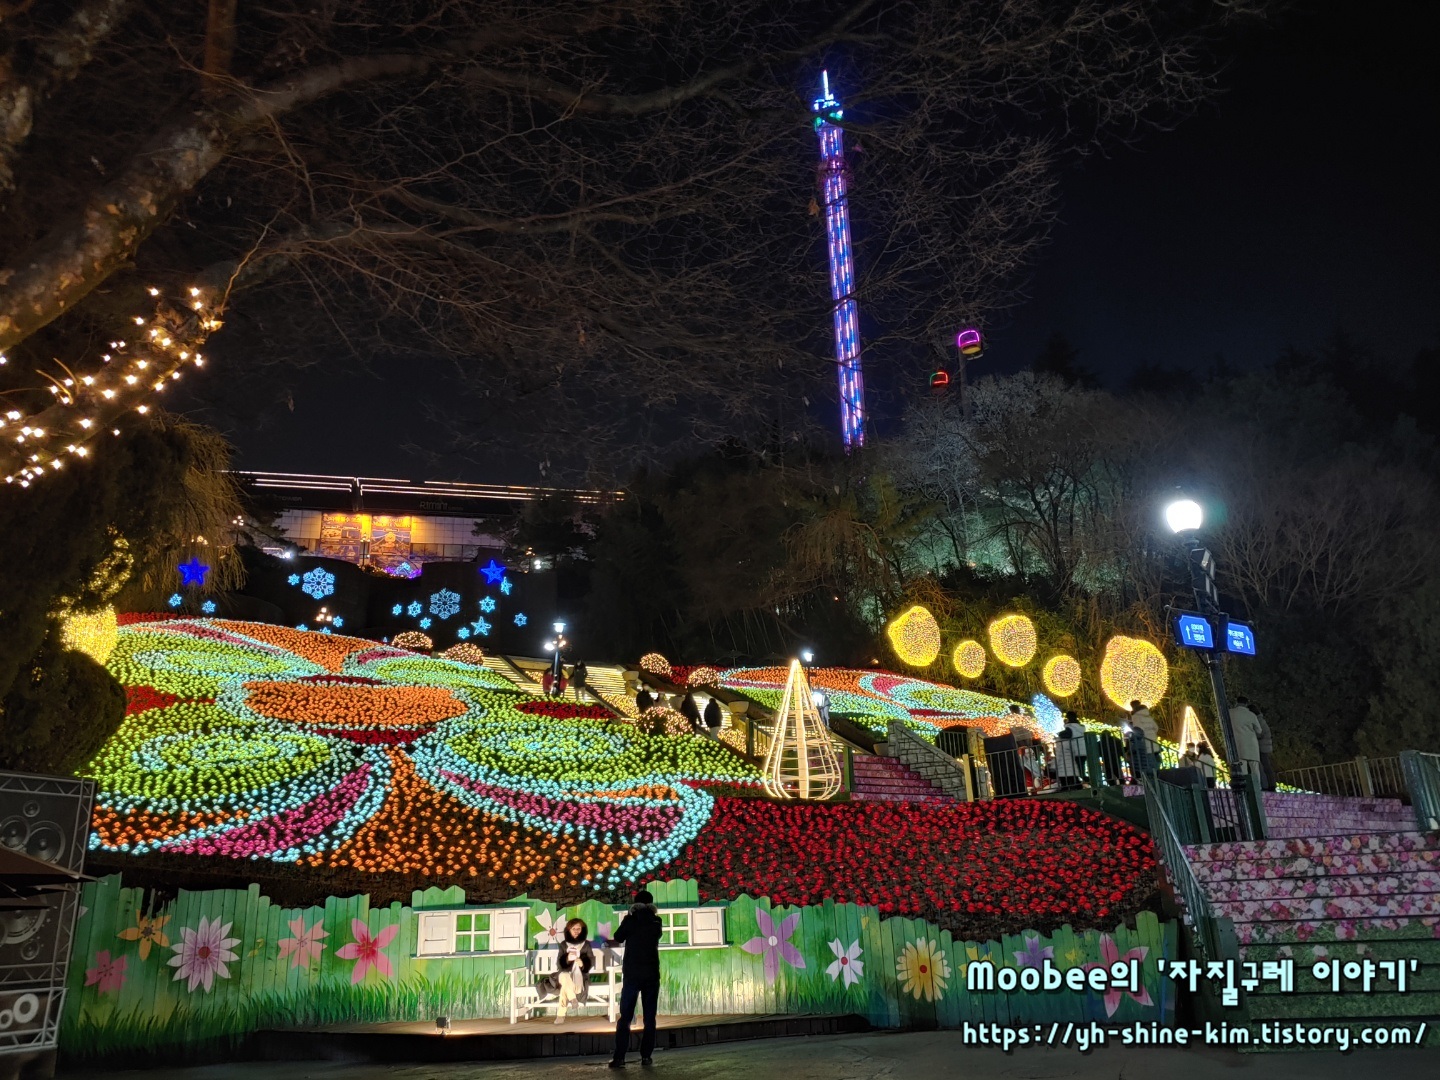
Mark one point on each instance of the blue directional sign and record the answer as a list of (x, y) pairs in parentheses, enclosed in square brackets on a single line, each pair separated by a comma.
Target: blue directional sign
[(1194, 631), (1239, 638)]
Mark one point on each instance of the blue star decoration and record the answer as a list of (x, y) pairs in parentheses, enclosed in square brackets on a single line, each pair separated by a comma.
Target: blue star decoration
[(319, 583), (425, 623), (397, 609), (481, 627), (463, 633), (505, 586), (294, 579), (176, 600), (208, 607), (520, 619), (487, 605), (493, 573), (193, 572), (414, 609)]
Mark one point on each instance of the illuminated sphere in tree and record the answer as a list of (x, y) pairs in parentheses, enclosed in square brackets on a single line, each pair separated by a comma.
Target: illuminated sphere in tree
[(655, 664), (1013, 640), (1133, 670), (413, 640), (969, 658), (915, 637), (93, 633), (1061, 675)]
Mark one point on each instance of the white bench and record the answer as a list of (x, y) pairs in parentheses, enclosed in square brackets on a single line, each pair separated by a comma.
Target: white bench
[(525, 998)]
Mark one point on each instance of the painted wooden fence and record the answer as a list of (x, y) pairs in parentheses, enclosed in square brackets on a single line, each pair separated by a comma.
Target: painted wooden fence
[(213, 966)]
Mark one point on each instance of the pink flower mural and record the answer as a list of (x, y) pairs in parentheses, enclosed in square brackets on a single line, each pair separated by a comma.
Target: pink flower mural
[(1110, 954), (107, 975), (773, 943), (366, 950), (304, 946), (203, 953)]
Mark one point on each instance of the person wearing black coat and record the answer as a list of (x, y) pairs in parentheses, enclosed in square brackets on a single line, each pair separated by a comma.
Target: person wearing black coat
[(644, 700), (713, 717), (690, 710), (639, 932)]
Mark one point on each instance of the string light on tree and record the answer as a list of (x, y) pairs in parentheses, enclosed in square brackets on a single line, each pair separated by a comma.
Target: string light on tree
[(915, 637), (801, 762), (1013, 640), (969, 658), (1061, 675), (1133, 669)]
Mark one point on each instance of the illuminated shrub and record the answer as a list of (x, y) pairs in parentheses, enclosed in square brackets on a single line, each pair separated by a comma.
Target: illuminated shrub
[(1013, 640), (703, 678), (1061, 675), (655, 664), (93, 633), (1133, 670), (915, 637), (414, 640), (466, 653), (969, 658)]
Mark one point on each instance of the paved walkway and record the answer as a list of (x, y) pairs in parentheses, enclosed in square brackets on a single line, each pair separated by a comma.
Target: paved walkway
[(862, 1057)]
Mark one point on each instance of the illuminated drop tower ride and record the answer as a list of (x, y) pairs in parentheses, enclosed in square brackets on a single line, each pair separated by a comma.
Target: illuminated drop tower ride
[(842, 266)]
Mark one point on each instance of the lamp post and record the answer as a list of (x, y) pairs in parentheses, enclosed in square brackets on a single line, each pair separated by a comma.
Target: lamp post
[(1184, 516), (557, 646)]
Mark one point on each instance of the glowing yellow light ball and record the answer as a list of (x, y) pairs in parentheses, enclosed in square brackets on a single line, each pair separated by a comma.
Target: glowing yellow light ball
[(413, 640), (1061, 675), (655, 664), (915, 637), (92, 633), (1013, 640), (969, 658), (1133, 670)]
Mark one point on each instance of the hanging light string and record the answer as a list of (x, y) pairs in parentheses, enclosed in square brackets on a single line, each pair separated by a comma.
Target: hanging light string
[(129, 376)]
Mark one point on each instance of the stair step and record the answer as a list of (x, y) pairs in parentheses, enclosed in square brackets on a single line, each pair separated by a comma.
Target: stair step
[(1335, 885), (1351, 1006), (1391, 947), (1319, 908), (1328, 931), (1258, 850), (1302, 866)]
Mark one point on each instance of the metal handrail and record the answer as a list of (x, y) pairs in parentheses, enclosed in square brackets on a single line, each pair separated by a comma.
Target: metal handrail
[(955, 782), (1210, 938), (1422, 780)]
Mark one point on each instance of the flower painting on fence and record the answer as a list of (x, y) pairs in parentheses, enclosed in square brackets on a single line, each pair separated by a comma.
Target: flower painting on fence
[(1110, 955), (816, 959)]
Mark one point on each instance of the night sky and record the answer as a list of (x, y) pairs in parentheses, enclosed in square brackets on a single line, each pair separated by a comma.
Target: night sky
[(1301, 201)]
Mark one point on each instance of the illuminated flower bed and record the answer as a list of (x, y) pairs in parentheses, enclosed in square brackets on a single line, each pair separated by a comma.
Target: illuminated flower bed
[(978, 869), (258, 742), (873, 698)]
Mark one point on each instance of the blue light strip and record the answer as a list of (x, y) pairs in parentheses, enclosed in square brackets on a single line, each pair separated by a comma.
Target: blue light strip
[(842, 266)]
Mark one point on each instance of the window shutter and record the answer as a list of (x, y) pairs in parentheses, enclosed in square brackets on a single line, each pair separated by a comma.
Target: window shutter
[(437, 933), (507, 929), (707, 926)]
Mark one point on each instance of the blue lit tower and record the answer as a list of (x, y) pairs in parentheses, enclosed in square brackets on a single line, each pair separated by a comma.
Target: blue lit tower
[(842, 266)]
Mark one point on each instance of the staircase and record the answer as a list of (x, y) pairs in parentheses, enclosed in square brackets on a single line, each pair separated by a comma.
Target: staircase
[(883, 779), (1370, 896), (931, 765), (1290, 815)]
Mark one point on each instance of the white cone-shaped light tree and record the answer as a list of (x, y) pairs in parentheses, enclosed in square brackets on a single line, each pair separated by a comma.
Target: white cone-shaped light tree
[(801, 762)]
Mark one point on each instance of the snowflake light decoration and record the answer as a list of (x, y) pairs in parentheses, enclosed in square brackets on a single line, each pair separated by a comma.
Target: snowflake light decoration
[(319, 583), (444, 603), (208, 607), (414, 609), (301, 626), (463, 633), (293, 579), (397, 609), (337, 622), (175, 600), (520, 619), (425, 623), (487, 605)]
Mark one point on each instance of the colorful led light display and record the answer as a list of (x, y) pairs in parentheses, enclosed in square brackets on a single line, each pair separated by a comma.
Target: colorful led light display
[(1133, 669), (833, 182), (1013, 640)]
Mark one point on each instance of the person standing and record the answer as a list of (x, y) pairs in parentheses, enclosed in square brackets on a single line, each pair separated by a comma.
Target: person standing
[(640, 933), (1143, 733), (1246, 726), (644, 700), (1267, 751), (690, 709), (1078, 747), (578, 674), (1206, 760), (713, 718)]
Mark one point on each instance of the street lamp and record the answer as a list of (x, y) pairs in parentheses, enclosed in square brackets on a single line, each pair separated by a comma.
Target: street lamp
[(1184, 516), (557, 646), (808, 656)]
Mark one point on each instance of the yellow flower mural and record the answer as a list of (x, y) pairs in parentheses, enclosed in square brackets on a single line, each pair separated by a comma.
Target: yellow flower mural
[(923, 969), (148, 932)]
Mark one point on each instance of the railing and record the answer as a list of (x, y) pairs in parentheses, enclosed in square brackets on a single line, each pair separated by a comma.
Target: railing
[(951, 777), (1214, 936), (1422, 779), (1363, 778)]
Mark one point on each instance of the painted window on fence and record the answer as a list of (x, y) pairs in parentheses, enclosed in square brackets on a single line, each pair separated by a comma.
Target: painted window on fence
[(688, 928), (471, 932)]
